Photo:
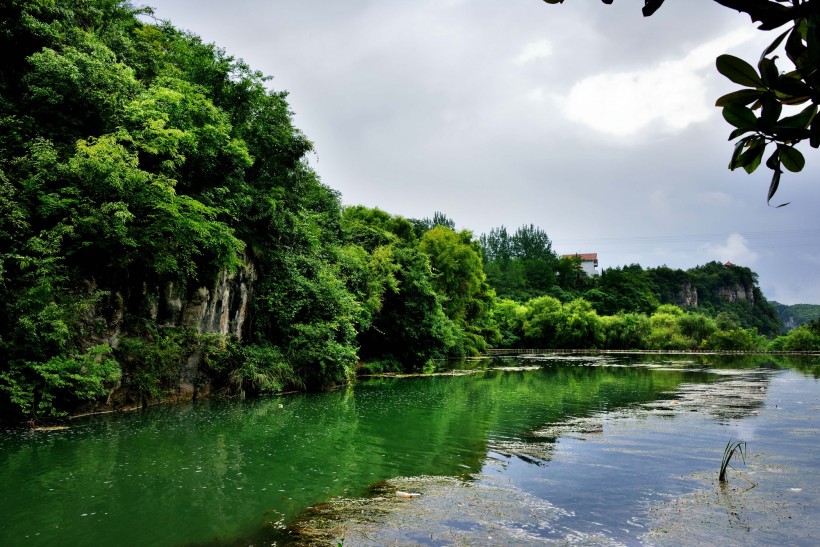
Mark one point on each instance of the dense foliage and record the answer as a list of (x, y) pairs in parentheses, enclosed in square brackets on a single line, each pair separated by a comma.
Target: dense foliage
[(523, 265), (141, 168), (713, 306), (137, 164), (796, 314)]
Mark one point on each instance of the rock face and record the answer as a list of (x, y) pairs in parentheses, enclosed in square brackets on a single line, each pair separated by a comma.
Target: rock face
[(737, 292), (221, 307), (687, 296), (789, 323)]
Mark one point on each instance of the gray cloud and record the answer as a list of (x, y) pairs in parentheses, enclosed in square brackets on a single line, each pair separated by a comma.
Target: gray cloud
[(427, 105)]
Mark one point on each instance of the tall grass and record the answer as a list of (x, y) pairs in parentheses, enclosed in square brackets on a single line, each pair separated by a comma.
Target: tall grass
[(731, 449)]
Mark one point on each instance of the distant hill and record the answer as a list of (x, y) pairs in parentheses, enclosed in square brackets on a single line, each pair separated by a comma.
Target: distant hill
[(796, 314)]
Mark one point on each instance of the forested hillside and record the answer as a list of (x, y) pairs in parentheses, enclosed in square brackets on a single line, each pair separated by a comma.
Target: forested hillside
[(161, 233), (162, 236), (523, 265), (796, 314)]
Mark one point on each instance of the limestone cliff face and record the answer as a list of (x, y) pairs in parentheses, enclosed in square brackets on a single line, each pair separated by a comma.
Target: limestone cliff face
[(737, 292), (221, 307), (789, 323), (687, 296)]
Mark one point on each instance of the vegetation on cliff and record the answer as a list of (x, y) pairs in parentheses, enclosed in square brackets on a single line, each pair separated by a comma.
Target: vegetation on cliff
[(160, 229), (796, 314), (138, 164)]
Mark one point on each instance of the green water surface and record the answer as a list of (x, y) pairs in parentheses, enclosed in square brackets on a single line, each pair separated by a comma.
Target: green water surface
[(219, 472)]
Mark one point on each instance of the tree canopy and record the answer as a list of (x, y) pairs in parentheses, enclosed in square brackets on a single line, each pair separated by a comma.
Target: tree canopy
[(137, 166), (140, 168)]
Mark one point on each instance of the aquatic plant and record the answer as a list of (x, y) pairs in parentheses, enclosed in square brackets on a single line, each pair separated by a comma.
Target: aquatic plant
[(728, 452)]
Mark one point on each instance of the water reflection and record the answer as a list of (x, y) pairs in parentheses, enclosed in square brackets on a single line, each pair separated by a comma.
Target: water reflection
[(616, 476), (235, 471)]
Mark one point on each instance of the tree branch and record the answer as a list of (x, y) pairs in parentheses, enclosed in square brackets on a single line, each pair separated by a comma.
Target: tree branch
[(650, 7), (772, 14)]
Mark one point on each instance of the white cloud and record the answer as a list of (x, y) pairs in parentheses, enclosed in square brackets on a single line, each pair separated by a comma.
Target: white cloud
[(672, 93), (534, 51), (536, 95), (735, 249)]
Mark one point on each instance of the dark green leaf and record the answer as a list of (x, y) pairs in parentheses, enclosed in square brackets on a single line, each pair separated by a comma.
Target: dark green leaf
[(814, 138), (739, 116), (794, 101), (773, 162), (743, 96), (768, 71), (773, 186), (738, 132), (650, 7), (739, 146), (738, 70), (770, 112), (800, 120), (794, 46), (750, 159), (791, 85), (786, 134), (791, 157), (813, 40), (773, 45)]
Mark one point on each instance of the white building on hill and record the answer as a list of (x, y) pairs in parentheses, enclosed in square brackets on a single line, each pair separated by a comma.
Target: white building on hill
[(589, 262)]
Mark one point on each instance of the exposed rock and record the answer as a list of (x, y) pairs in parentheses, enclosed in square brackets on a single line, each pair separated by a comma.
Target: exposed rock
[(734, 293), (687, 296), (172, 299), (221, 308)]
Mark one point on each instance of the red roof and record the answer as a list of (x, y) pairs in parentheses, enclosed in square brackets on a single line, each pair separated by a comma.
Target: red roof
[(583, 256)]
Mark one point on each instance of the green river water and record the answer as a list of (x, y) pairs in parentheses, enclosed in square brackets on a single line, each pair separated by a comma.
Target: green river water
[(602, 450)]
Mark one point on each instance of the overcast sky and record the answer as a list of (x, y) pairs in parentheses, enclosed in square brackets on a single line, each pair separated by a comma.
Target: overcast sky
[(587, 120)]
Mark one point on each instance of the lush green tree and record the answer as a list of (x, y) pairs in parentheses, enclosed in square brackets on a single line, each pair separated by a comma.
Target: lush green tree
[(521, 266), (665, 330), (736, 339), (625, 331), (578, 326), (509, 316), (625, 289), (405, 324), (421, 226), (696, 326), (134, 157), (541, 319), (459, 279), (411, 327), (458, 273), (803, 338)]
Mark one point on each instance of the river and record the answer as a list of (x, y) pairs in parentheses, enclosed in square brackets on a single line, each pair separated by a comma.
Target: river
[(574, 449)]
